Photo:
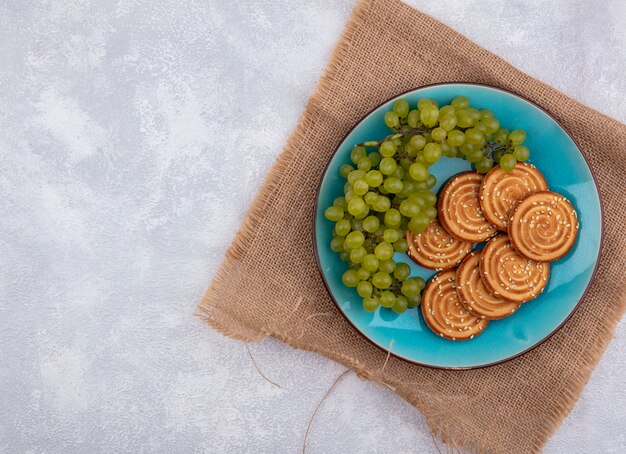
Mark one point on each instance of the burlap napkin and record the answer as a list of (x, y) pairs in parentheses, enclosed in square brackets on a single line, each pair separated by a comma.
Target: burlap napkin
[(269, 284)]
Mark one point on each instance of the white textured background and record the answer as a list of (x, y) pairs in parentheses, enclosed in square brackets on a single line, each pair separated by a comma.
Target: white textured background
[(133, 136)]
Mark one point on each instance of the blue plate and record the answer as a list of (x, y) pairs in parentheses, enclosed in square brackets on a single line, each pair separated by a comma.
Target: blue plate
[(556, 155)]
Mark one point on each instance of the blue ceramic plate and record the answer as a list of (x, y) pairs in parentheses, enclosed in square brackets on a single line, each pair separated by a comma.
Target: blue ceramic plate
[(556, 155)]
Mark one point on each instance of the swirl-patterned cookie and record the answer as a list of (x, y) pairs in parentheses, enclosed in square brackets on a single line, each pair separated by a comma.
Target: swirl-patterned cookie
[(543, 226), (501, 190), (435, 248), (473, 293), (509, 275), (445, 314), (459, 209)]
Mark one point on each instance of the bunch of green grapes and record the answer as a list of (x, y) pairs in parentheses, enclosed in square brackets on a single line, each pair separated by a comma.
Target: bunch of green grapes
[(389, 191)]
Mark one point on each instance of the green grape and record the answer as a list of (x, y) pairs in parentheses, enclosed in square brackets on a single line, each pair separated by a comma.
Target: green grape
[(429, 115), (371, 224), (410, 151), (474, 156), (464, 118), (382, 204), (420, 159), (475, 114), (393, 185), (387, 299), (333, 213), (407, 188), (491, 125), (357, 254), (374, 178), (356, 225), (350, 278), (500, 136), (402, 245), (402, 271), (336, 244), (363, 273), (429, 197), (370, 304), (387, 149), (448, 150), (486, 113), (397, 142), (507, 162), (475, 137), (481, 127), (357, 153), (414, 301), (364, 289), (399, 173), (347, 187), (446, 110), (391, 120), (431, 212), (350, 195), (409, 208), (484, 165), (423, 103), (387, 266), (413, 118), (460, 102), (342, 227), (383, 251), (345, 169), (356, 175), (361, 187), (400, 305), (374, 157), (341, 202), (438, 134), (387, 166), (356, 206), (418, 171), (370, 263), (418, 223), (344, 256), (391, 235), (517, 137), (417, 197), (448, 122), (354, 239), (401, 107), (418, 141), (410, 288), (456, 138), (363, 214), (521, 153), (431, 181), (381, 280), (370, 198), (497, 155), (364, 164), (393, 217), (432, 152)]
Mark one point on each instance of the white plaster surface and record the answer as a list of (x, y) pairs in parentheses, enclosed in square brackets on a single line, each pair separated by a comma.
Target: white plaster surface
[(133, 136)]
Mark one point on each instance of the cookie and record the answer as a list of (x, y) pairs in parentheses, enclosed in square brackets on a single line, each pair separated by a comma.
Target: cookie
[(543, 226), (459, 209), (435, 248), (500, 191), (473, 293), (509, 275), (443, 311)]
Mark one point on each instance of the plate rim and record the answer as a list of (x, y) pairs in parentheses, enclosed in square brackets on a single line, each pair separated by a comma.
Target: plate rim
[(433, 366)]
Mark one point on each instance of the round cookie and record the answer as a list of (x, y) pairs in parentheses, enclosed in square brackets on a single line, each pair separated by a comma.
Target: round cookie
[(500, 191), (435, 248), (543, 226), (473, 293), (509, 275), (459, 209), (444, 313)]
